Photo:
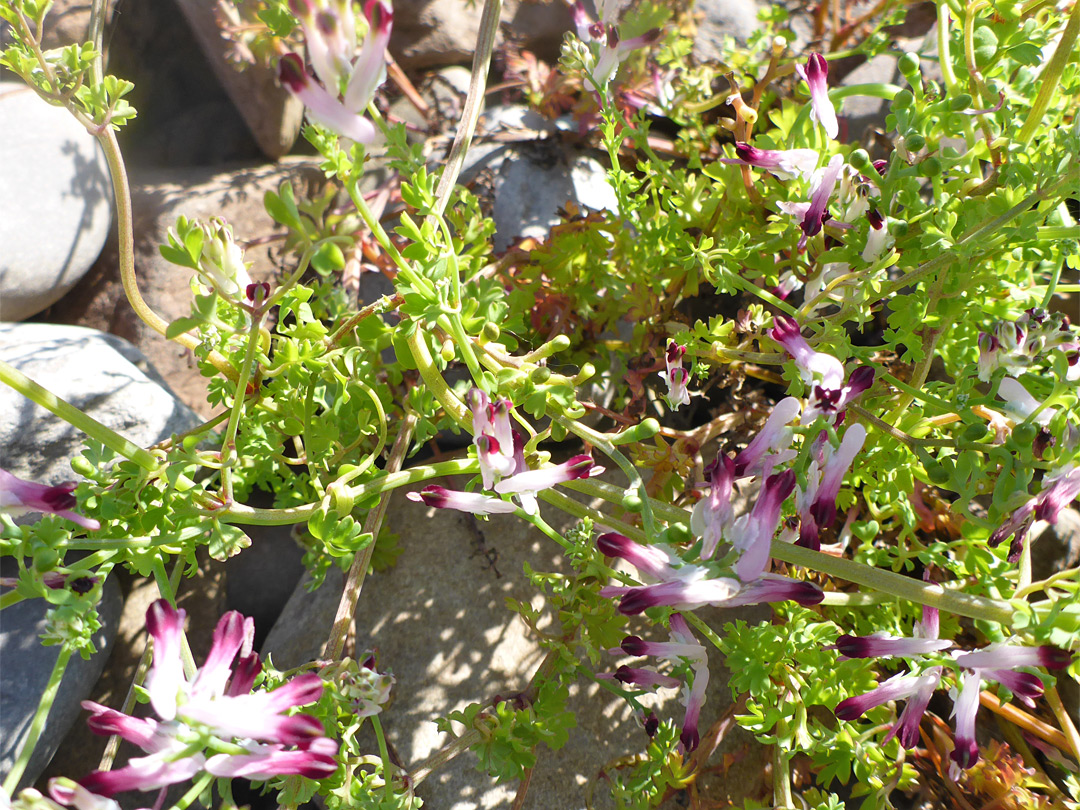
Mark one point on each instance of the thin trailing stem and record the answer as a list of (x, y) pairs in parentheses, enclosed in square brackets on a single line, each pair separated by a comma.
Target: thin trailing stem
[(354, 582), (37, 724)]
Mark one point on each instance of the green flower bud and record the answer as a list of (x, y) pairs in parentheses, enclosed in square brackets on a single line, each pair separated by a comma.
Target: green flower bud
[(447, 351), (898, 228), (490, 332), (914, 142), (540, 375), (909, 65), (632, 503), (960, 102), (859, 160), (931, 167)]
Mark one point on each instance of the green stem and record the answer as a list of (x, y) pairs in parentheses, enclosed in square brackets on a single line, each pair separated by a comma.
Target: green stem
[(193, 792), (73, 416), (37, 725), (228, 443), (635, 481), (10, 598), (470, 114), (453, 406), (782, 798), (249, 516), (420, 284), (872, 90), (1050, 79), (580, 510), (384, 754), (944, 57)]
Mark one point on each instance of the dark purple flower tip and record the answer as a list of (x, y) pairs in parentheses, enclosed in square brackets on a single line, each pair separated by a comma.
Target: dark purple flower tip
[(854, 646), (806, 594), (579, 467), (650, 36), (721, 470), (635, 601), (1043, 442), (824, 513), (258, 288), (1025, 685), (612, 37), (291, 72), (809, 536), (781, 485), (596, 30), (632, 676), (817, 69), (966, 753), (613, 544), (746, 152), (59, 497), (1053, 657), (850, 709), (690, 739), (784, 328), (651, 723), (381, 15), (880, 166), (83, 585), (298, 728), (860, 380), (1016, 547), (634, 645), (243, 678), (877, 221)]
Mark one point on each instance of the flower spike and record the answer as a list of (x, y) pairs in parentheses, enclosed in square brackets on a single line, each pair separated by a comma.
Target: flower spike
[(815, 73)]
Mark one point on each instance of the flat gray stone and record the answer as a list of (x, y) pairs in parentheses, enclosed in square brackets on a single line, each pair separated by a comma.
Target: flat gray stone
[(27, 667), (103, 375), (535, 180), (723, 18), (55, 202)]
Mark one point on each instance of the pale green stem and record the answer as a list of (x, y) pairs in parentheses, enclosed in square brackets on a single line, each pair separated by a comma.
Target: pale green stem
[(248, 516), (228, 443), (420, 284), (602, 443), (354, 582), (944, 57), (197, 787), (781, 779), (384, 754), (470, 114), (580, 510), (1050, 79), (872, 90), (73, 416), (37, 725), (453, 406)]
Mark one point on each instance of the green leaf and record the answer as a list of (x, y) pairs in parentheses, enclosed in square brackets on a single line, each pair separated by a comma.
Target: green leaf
[(226, 541)]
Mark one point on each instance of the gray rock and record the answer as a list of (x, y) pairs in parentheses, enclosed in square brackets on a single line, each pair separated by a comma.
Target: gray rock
[(272, 113), (301, 631), (1055, 548), (535, 180), (433, 33), (103, 375), (723, 18), (55, 202), (27, 667)]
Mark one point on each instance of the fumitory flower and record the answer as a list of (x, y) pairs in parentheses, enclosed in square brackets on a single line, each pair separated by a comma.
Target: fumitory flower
[(683, 647), (1059, 489), (329, 29), (216, 703), (19, 497), (1016, 345), (675, 376), (772, 445), (996, 663), (786, 164), (752, 534), (822, 372), (817, 505), (686, 586), (812, 215), (815, 73), (612, 50), (712, 515), (221, 264)]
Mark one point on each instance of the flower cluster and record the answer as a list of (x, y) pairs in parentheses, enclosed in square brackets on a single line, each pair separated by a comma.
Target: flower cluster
[(683, 648), (215, 709), (348, 86), (837, 180), (1017, 345), (602, 38), (1059, 489), (19, 497), (500, 451), (995, 663)]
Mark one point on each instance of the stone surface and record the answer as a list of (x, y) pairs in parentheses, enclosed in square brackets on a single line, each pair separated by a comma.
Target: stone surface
[(104, 376), (158, 199), (68, 22), (55, 202), (272, 113), (27, 667), (1055, 548), (438, 620), (535, 180), (432, 33), (720, 19)]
